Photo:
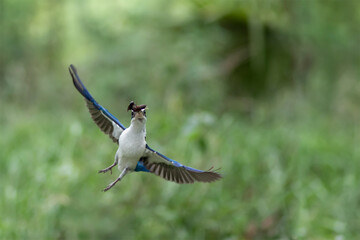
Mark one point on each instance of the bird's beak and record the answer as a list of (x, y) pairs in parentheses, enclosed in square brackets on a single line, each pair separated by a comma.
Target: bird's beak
[(139, 115)]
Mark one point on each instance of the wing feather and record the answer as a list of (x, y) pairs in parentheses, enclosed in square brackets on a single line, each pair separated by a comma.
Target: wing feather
[(171, 170), (107, 123)]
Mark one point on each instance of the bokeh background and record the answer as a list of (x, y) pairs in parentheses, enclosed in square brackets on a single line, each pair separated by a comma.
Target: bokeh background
[(267, 90)]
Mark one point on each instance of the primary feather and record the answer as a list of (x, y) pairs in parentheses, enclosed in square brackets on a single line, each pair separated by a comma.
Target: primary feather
[(101, 116)]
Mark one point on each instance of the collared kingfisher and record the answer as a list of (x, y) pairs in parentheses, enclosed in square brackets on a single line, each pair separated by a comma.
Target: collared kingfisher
[(133, 153)]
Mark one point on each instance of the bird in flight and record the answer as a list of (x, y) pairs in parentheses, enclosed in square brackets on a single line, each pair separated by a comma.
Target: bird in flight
[(133, 153)]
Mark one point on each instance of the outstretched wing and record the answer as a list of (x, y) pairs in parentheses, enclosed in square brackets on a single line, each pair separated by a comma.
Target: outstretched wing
[(109, 124), (171, 170)]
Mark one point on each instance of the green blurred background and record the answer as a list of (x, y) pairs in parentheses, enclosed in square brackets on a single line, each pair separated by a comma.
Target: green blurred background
[(267, 90)]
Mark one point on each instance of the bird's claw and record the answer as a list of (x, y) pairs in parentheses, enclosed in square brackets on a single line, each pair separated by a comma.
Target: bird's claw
[(108, 187), (105, 170)]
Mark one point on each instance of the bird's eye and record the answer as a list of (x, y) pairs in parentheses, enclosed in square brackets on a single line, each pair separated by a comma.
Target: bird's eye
[(144, 112), (132, 114)]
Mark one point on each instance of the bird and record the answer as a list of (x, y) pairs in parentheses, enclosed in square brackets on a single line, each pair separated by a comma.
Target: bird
[(134, 154)]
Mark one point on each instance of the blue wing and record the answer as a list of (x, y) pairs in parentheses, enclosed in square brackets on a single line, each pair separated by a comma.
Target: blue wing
[(109, 124), (171, 170)]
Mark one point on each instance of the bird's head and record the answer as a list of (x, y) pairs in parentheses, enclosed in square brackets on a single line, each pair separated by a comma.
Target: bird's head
[(138, 112)]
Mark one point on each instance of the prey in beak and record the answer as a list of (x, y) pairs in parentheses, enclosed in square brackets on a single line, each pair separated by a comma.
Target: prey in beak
[(138, 112)]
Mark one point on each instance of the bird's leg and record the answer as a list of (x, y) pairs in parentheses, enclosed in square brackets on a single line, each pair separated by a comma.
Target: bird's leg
[(110, 167), (123, 173)]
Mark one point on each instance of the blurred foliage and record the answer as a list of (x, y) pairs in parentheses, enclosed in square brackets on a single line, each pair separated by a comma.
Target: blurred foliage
[(267, 90)]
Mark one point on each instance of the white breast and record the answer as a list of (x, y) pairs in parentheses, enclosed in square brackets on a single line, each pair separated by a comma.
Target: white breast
[(131, 143), (131, 146)]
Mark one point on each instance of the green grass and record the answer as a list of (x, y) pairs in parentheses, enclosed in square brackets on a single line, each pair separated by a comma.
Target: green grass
[(284, 177)]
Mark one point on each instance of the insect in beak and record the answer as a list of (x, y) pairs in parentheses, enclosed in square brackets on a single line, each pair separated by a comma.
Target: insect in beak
[(137, 112)]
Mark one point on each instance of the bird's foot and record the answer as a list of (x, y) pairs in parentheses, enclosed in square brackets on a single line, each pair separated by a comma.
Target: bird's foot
[(122, 174), (106, 169), (110, 185)]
